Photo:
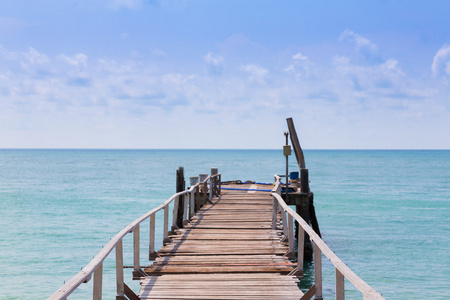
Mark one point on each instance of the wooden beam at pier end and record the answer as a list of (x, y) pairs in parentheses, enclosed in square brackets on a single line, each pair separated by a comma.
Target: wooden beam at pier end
[(296, 144)]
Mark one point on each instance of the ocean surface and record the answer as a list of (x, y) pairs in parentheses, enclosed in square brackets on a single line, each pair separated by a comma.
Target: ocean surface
[(386, 214)]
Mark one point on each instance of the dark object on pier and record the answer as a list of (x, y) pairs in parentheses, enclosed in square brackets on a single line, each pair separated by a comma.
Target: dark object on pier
[(304, 199), (181, 186)]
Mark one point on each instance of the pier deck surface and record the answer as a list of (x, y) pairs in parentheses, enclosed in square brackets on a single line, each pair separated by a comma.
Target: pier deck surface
[(227, 251)]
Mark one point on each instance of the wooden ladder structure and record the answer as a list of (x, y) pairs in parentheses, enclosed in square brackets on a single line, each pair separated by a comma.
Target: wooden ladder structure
[(229, 250)]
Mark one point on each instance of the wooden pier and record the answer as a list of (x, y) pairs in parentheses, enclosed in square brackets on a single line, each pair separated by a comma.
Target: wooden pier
[(234, 244), (227, 251)]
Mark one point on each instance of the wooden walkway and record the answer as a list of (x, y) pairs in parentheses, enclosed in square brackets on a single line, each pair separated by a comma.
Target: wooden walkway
[(227, 251)]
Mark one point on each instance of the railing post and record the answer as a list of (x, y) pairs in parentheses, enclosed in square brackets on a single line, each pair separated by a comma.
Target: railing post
[(98, 274), (318, 272), (119, 272), (175, 213), (285, 224), (214, 171), (300, 248), (192, 203), (151, 250), (197, 197), (136, 262), (274, 213), (340, 285), (291, 254), (210, 188), (220, 184), (185, 209), (205, 191), (166, 225)]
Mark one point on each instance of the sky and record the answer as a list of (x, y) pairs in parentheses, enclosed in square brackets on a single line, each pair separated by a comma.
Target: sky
[(224, 74)]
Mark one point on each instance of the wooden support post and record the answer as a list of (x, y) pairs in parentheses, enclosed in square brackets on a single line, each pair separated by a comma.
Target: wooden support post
[(220, 184), (291, 254), (203, 189), (185, 209), (318, 272), (303, 211), (136, 245), (151, 251), (205, 192), (174, 214), (304, 183), (197, 198), (340, 285), (98, 278), (304, 180), (130, 294), (210, 189), (296, 144), (312, 215), (191, 204), (181, 186), (166, 238), (300, 249), (119, 272), (214, 171), (274, 213), (285, 224)]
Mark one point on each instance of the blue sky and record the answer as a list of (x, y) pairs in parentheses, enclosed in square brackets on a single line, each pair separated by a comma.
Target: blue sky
[(224, 74)]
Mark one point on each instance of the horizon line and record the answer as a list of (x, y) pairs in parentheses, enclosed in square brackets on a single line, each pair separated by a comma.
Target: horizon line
[(239, 149)]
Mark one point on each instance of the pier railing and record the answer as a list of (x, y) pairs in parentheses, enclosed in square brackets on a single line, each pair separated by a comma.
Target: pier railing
[(193, 197), (341, 270)]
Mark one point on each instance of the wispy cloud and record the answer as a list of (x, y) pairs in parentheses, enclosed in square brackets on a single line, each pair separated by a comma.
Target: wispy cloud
[(300, 56), (215, 63), (365, 48), (256, 73), (78, 59), (300, 66), (441, 61)]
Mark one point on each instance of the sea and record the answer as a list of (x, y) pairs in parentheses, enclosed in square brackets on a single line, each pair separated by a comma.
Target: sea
[(385, 213)]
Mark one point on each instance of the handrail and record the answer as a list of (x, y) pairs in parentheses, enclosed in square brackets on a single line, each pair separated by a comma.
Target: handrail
[(320, 247), (95, 266)]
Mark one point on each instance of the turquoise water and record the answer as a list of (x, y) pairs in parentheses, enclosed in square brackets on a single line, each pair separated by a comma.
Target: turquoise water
[(384, 213)]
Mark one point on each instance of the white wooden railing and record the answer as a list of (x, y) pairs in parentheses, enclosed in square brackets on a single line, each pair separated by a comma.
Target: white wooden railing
[(206, 189), (342, 271)]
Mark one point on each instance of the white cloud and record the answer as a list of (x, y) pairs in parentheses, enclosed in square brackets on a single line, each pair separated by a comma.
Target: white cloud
[(215, 63), (300, 68), (299, 56), (360, 41), (213, 60), (365, 49), (441, 60), (34, 57), (257, 73), (78, 59)]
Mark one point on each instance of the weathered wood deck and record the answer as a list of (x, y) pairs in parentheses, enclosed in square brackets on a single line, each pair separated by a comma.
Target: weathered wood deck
[(227, 251)]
